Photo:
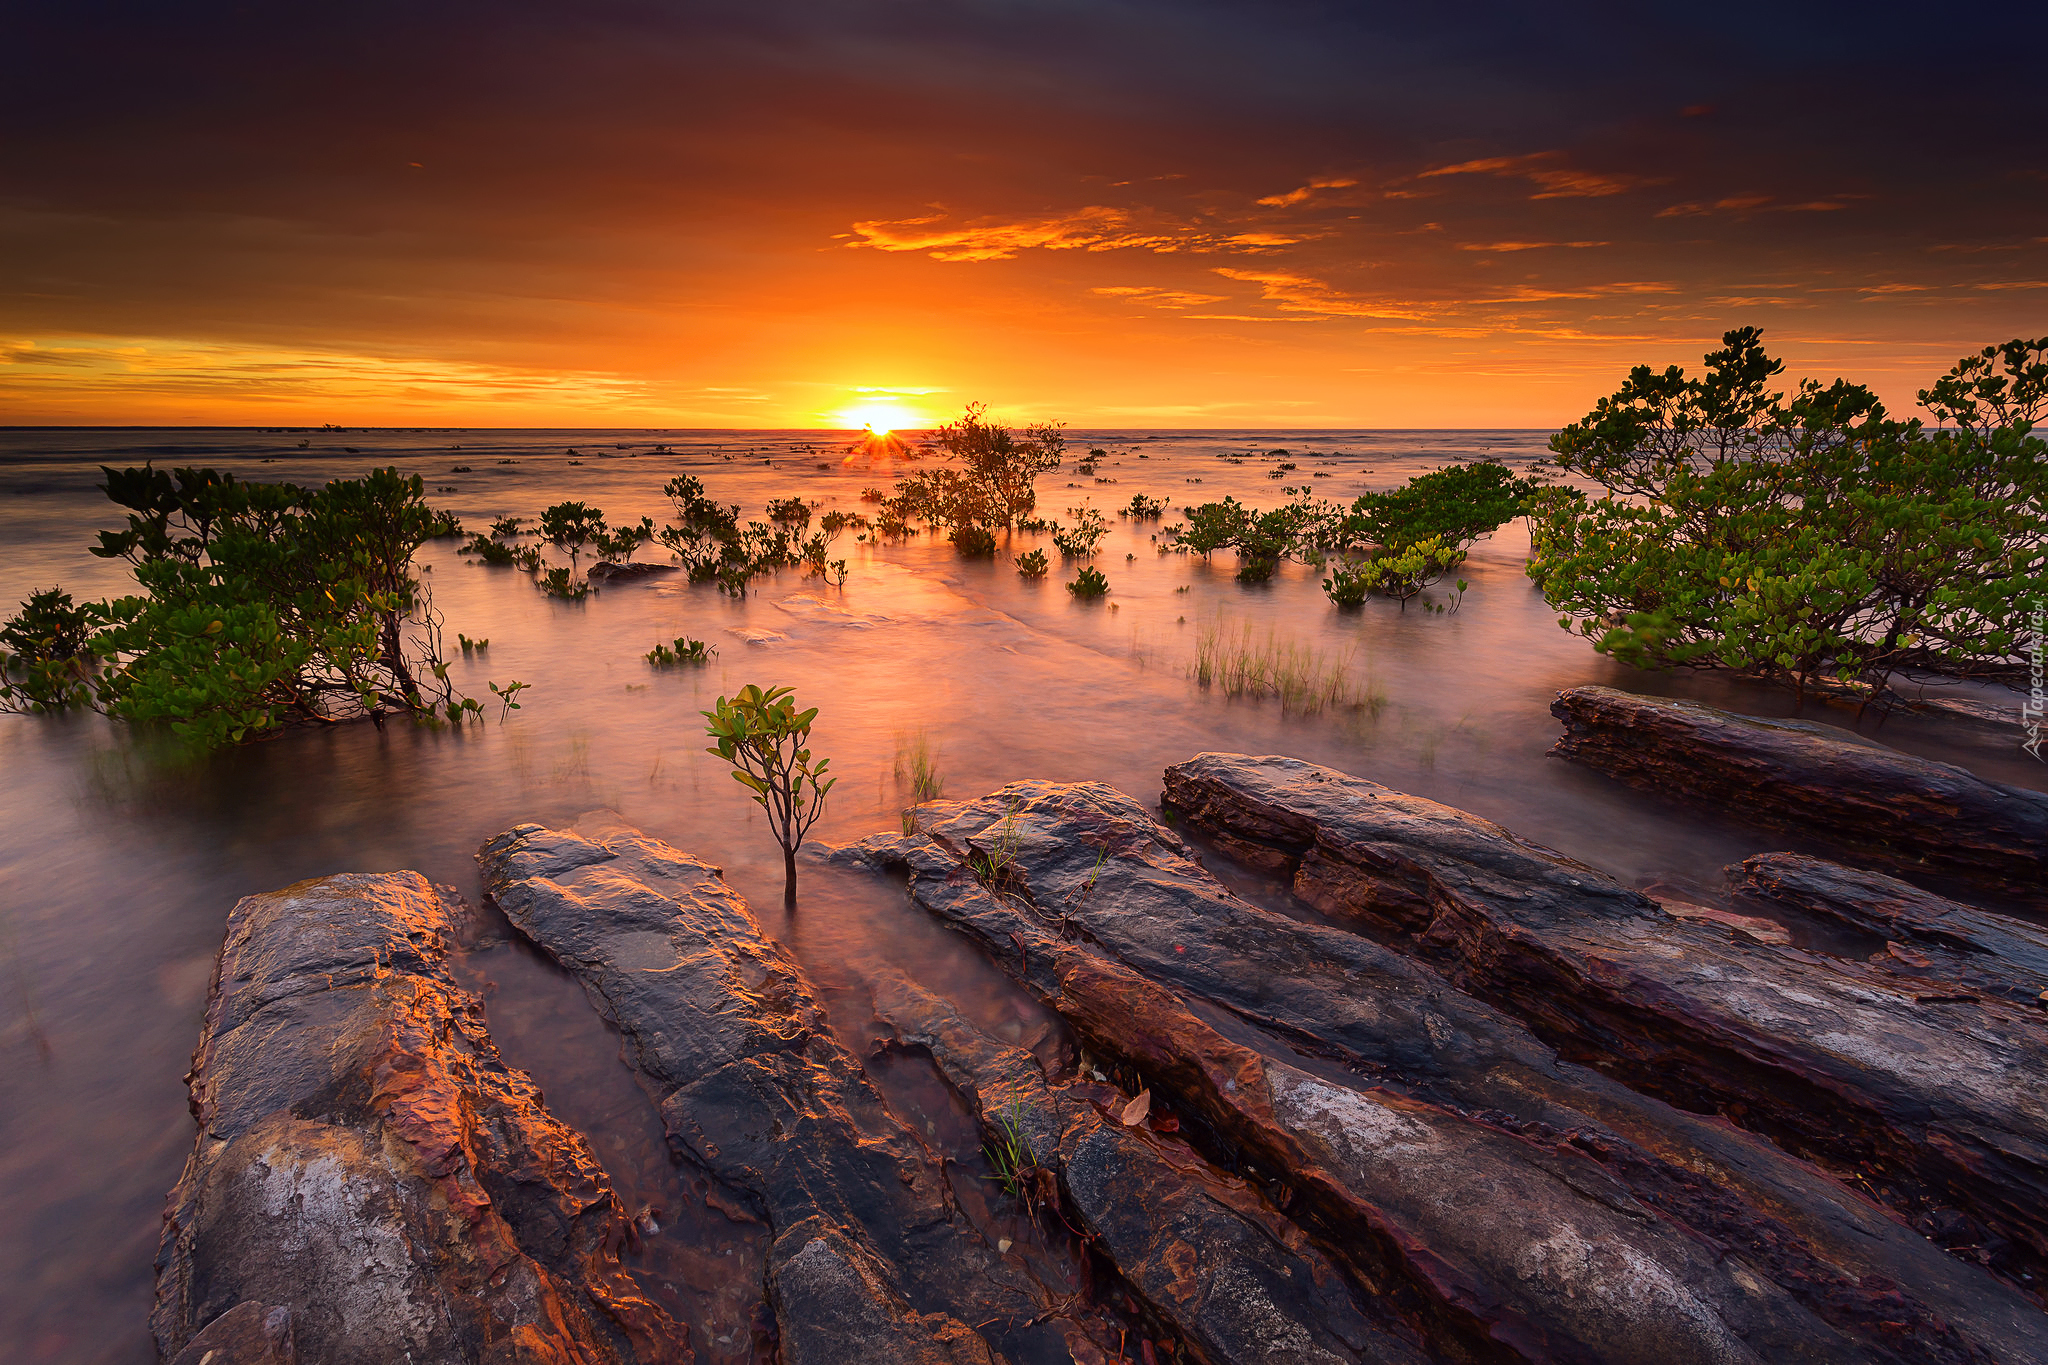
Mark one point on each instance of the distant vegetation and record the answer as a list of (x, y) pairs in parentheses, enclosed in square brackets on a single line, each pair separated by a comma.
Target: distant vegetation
[(1815, 542), (261, 606), (1396, 543), (989, 486), (713, 546)]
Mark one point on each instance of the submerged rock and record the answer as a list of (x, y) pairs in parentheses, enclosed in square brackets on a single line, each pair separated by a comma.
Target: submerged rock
[(1472, 1185), (1850, 1065), (629, 572), (1958, 943), (367, 1160), (868, 1257), (1911, 815)]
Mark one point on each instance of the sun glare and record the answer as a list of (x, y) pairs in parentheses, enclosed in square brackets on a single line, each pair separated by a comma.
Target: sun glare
[(880, 418)]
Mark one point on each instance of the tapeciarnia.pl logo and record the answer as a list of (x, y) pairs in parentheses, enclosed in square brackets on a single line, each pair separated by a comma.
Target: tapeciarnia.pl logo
[(2036, 703)]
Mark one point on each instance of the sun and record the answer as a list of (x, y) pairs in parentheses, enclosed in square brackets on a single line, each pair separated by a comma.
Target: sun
[(880, 418)]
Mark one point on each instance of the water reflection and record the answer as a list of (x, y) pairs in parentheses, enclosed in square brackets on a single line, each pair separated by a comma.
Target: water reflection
[(117, 866)]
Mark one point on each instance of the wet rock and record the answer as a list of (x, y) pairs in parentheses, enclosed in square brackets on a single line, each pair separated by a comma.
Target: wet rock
[(1889, 809), (1459, 1171), (1958, 943), (1848, 1065), (868, 1257), (366, 1160), (248, 1334), (629, 572), (1752, 926), (1209, 1255)]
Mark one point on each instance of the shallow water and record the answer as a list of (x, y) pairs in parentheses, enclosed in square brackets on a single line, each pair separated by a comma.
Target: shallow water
[(117, 868)]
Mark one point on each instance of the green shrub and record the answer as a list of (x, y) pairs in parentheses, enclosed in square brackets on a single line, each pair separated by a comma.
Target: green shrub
[(684, 651), (1033, 564), (712, 545), (976, 542), (571, 526), (490, 551), (1089, 584), (261, 605), (767, 742), (46, 658), (1816, 542), (1457, 505), (1081, 539), (559, 583), (620, 544), (992, 482), (1348, 584)]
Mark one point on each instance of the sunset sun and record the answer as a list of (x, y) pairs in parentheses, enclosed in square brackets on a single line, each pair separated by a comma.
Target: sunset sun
[(880, 418)]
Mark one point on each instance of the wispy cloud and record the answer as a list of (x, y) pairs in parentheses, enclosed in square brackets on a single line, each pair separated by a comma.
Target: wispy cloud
[(1293, 293), (1094, 228), (1740, 204), (1552, 179), (1158, 298), (1305, 192), (1525, 246)]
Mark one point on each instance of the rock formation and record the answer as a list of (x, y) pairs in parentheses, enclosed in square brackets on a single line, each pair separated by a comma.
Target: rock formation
[(1926, 935), (1481, 1194), (367, 1162), (1935, 1095), (868, 1257), (1910, 815)]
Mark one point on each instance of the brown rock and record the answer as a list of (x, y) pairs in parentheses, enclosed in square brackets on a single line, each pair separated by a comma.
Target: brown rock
[(868, 1257), (1435, 1148), (1752, 926), (365, 1159), (1850, 1066), (1988, 952), (1910, 815), (248, 1334), (1210, 1257), (629, 572)]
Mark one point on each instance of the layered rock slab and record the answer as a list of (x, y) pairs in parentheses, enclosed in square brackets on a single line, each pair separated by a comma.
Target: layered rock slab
[(1210, 1256), (367, 1161), (1439, 1186), (868, 1256), (1948, 941), (1845, 1062), (1889, 809)]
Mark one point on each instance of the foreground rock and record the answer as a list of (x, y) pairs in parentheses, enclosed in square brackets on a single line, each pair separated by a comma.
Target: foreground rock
[(1927, 934), (1475, 1188), (247, 1334), (1937, 1095), (868, 1257), (1887, 808), (367, 1162), (1210, 1256)]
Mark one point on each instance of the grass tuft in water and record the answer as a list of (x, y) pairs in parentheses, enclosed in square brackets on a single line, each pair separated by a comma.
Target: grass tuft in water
[(917, 761), (1305, 679)]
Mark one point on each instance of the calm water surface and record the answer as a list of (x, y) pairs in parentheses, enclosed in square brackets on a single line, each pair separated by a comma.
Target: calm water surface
[(117, 867)]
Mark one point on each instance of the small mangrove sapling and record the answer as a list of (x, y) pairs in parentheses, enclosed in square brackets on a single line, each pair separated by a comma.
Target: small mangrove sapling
[(767, 742)]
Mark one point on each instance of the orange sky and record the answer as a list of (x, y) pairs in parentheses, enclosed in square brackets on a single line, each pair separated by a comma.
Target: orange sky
[(1117, 215)]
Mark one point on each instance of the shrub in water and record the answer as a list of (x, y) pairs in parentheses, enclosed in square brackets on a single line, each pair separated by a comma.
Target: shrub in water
[(1090, 583)]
